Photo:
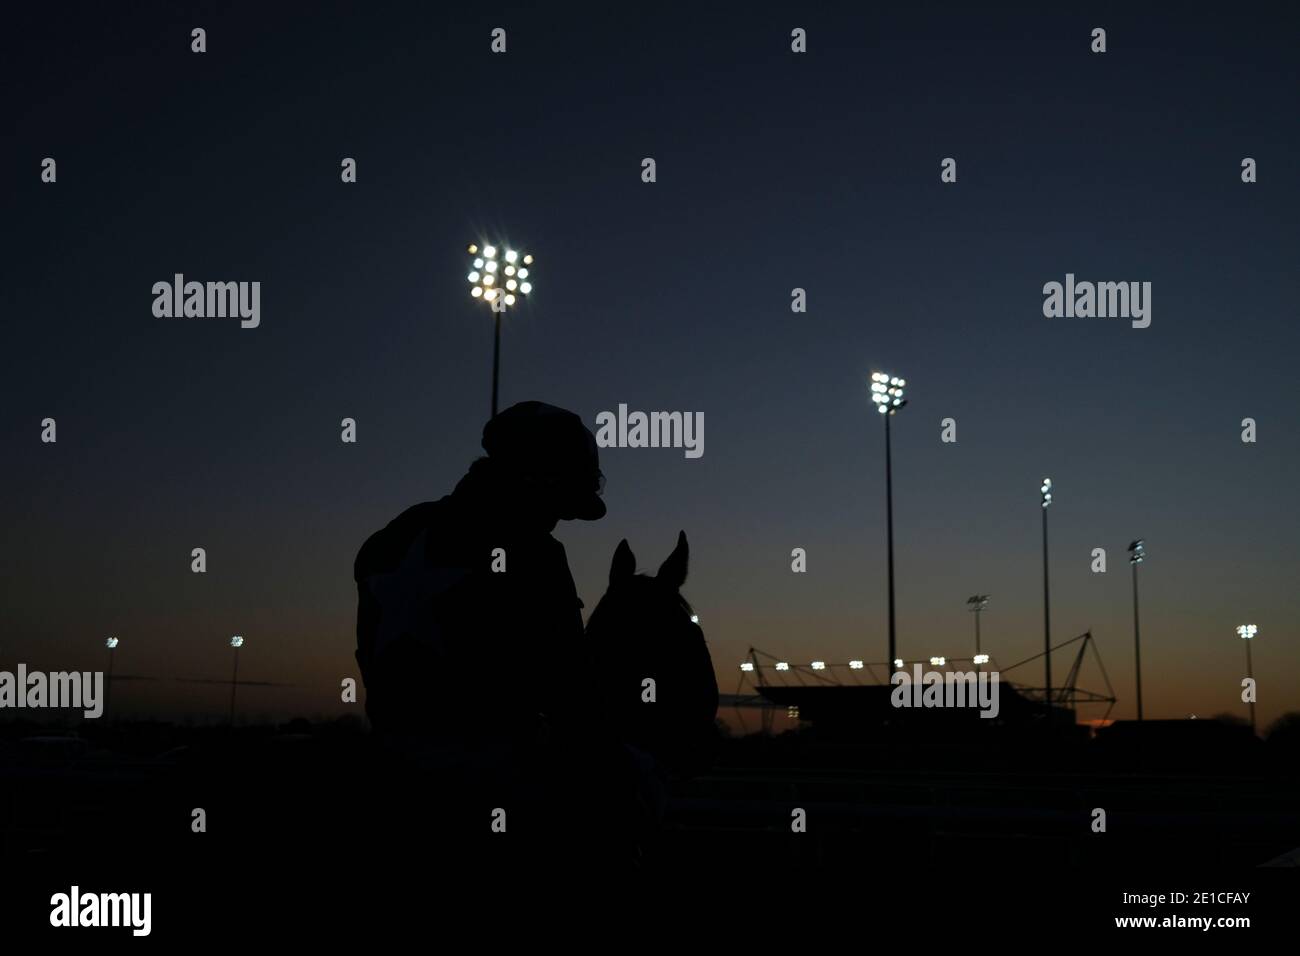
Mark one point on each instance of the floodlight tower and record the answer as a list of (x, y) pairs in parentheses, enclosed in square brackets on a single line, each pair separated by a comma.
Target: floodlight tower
[(976, 603), (495, 280), (111, 644), (1247, 633), (1045, 493), (1136, 555), (887, 394), (236, 642)]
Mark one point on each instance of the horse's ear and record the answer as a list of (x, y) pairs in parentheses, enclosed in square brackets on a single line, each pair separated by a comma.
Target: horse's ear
[(624, 564), (673, 571)]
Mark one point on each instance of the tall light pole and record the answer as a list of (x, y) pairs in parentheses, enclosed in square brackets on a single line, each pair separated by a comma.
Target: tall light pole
[(1045, 493), (1136, 555), (1247, 633), (236, 642), (111, 644), (495, 279), (887, 393), (977, 603)]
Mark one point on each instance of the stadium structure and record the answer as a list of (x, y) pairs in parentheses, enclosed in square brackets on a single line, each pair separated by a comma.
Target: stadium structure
[(855, 697)]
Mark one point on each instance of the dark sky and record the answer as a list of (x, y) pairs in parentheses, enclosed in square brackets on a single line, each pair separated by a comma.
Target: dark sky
[(775, 171)]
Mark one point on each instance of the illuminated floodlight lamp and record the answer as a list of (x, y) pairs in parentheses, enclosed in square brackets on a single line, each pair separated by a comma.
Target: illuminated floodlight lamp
[(938, 661), (695, 619), (981, 658), (747, 667), (1136, 552), (486, 269), (887, 392), (236, 641), (819, 665), (856, 665), (1045, 490), (111, 643), (1247, 631), (898, 662), (782, 666)]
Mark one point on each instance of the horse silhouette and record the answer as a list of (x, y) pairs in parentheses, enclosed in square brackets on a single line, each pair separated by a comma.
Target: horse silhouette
[(584, 787), (656, 681)]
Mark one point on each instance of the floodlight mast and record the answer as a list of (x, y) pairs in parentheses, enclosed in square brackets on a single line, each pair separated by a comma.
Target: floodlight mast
[(111, 644), (887, 394), (1247, 633), (484, 285), (236, 642), (1045, 493), (1136, 555), (977, 603)]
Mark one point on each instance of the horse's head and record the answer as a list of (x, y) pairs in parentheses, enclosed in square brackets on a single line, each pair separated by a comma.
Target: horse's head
[(656, 675)]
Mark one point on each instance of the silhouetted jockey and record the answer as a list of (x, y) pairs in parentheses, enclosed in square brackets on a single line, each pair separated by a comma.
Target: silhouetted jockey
[(469, 626), (467, 616)]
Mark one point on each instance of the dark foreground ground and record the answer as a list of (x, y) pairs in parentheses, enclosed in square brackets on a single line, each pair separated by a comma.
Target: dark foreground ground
[(309, 829)]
